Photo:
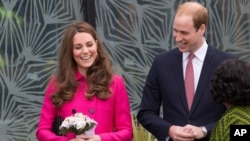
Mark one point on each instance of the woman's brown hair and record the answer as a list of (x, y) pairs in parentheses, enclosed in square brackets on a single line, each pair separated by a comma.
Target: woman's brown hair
[(98, 76)]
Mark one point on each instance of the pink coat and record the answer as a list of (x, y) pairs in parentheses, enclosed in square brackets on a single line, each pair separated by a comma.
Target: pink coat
[(113, 115)]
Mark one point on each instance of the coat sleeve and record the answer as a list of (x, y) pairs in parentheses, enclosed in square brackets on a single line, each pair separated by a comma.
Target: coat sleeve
[(122, 115), (47, 116)]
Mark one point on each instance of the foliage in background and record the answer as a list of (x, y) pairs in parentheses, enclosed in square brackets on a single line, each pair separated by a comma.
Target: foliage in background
[(140, 133)]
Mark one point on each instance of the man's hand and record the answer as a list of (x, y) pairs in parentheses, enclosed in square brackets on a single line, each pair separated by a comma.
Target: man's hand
[(178, 133), (195, 130)]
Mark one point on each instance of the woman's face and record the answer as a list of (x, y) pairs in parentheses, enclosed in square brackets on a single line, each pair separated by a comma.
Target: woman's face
[(84, 51)]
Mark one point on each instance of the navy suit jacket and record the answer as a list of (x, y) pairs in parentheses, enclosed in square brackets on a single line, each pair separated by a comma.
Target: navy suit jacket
[(165, 88)]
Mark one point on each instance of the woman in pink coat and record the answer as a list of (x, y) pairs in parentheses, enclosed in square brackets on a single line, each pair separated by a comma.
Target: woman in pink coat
[(84, 82)]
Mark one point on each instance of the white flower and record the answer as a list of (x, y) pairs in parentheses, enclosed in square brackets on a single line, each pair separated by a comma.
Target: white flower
[(77, 123), (70, 120)]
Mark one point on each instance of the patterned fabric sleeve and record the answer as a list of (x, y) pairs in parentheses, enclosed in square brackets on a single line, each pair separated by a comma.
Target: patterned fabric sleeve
[(235, 116)]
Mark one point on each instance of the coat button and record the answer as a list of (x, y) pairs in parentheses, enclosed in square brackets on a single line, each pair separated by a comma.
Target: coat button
[(91, 111)]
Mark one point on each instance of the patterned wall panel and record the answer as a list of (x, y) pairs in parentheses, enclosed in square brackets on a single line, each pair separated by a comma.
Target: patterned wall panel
[(229, 27), (30, 31), (133, 31)]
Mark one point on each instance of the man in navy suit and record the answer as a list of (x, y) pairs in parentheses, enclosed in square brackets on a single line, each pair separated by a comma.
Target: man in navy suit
[(165, 82)]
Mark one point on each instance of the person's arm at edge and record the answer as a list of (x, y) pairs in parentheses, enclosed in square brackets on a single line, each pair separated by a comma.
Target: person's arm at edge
[(148, 114)]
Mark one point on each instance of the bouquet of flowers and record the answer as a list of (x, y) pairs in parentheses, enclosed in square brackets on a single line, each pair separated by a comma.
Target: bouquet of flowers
[(78, 124)]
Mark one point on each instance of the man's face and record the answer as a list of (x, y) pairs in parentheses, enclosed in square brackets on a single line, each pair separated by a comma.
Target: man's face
[(186, 36)]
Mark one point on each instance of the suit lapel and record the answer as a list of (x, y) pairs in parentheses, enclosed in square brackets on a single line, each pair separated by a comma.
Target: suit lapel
[(180, 78), (204, 77)]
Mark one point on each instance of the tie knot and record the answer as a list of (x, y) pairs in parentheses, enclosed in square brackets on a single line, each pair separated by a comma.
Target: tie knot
[(191, 56)]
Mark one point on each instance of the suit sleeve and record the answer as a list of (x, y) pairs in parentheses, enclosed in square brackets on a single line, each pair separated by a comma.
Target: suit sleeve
[(149, 111)]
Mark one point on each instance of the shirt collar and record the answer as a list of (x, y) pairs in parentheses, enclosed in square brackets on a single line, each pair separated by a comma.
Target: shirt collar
[(199, 54)]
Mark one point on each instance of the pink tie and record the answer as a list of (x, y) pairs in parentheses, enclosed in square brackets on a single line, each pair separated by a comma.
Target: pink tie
[(189, 81)]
